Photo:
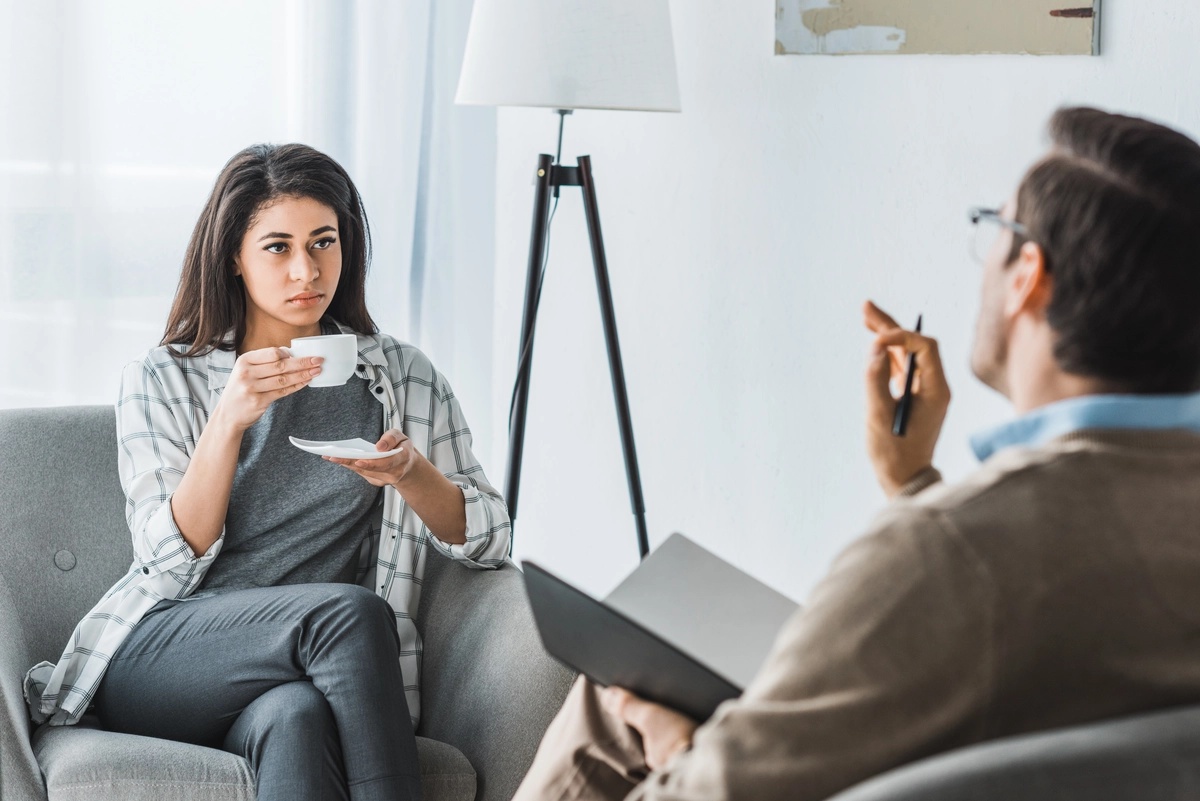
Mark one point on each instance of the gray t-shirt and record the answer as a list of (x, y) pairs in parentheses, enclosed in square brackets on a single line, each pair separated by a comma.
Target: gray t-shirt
[(293, 517)]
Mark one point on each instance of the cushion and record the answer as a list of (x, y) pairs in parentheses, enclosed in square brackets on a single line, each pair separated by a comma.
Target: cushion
[(85, 763)]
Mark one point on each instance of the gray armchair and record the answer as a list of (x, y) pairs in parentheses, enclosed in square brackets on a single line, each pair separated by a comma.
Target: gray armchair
[(1150, 757), (490, 690)]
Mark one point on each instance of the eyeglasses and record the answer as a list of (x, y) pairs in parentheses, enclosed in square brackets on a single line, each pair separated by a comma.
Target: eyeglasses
[(981, 240)]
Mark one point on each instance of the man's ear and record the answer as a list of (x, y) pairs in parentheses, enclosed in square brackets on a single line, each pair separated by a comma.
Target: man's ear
[(1029, 285)]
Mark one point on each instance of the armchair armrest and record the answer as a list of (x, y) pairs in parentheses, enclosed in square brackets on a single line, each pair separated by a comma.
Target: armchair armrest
[(488, 686), (20, 776), (1152, 756)]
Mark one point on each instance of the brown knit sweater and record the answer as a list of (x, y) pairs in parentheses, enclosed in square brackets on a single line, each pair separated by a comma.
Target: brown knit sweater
[(1056, 585)]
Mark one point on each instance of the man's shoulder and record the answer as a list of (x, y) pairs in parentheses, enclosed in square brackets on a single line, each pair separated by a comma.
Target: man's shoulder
[(1006, 493), (1011, 472), (1023, 493), (1075, 460), (951, 533)]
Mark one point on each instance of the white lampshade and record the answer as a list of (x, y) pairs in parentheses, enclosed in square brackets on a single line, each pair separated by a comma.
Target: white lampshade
[(570, 54)]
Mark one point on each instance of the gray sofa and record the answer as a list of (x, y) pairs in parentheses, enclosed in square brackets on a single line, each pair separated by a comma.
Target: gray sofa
[(490, 690)]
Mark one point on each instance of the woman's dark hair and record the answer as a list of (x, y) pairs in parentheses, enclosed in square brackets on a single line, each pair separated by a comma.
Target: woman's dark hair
[(1115, 207), (210, 300)]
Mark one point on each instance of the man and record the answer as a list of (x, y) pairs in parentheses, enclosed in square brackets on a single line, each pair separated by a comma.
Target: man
[(1058, 584)]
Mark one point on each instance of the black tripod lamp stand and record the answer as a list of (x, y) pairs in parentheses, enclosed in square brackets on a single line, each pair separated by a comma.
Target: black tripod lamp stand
[(551, 176), (612, 55)]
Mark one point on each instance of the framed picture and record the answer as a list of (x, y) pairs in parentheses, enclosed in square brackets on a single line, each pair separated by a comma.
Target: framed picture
[(1037, 27)]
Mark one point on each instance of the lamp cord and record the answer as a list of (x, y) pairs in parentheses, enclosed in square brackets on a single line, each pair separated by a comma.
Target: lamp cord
[(527, 346)]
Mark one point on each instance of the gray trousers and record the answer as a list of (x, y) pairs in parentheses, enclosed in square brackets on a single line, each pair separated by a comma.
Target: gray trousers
[(301, 680)]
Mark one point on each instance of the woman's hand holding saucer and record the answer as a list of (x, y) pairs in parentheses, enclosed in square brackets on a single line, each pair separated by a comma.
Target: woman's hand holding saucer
[(391, 471), (259, 378), (427, 491)]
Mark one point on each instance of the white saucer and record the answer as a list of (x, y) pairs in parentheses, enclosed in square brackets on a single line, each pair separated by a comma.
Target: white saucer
[(343, 448)]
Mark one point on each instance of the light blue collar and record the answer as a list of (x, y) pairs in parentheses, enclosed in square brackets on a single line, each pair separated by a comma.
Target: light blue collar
[(1091, 411)]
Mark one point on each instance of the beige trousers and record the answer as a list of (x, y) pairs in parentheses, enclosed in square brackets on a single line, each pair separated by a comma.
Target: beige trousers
[(586, 755)]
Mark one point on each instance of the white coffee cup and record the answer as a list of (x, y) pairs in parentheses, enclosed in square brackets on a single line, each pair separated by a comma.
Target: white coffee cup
[(340, 352)]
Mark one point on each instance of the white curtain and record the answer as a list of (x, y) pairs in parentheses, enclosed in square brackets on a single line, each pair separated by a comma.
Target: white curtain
[(118, 115)]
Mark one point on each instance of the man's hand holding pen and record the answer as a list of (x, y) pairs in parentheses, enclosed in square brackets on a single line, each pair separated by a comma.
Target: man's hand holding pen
[(899, 459)]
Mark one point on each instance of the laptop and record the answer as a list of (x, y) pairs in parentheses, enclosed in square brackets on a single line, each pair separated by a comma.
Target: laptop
[(686, 629)]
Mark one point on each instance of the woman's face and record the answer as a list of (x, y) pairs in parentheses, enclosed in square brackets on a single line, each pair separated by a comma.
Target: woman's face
[(290, 262)]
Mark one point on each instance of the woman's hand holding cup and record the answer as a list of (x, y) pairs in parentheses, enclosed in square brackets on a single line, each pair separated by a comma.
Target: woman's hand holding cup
[(259, 378)]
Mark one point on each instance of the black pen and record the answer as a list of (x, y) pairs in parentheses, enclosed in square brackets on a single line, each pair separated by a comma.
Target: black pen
[(900, 421)]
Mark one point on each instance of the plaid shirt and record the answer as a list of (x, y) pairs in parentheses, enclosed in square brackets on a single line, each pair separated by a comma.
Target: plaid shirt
[(164, 405)]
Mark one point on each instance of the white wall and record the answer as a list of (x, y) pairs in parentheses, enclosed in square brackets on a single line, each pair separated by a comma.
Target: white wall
[(742, 236)]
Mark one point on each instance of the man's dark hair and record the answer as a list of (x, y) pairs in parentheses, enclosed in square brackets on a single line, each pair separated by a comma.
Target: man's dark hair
[(210, 301), (1115, 207)]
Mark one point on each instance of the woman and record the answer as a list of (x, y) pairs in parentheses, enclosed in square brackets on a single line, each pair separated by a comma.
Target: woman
[(245, 621)]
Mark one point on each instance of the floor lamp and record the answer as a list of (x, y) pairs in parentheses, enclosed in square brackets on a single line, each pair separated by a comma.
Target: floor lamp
[(617, 55)]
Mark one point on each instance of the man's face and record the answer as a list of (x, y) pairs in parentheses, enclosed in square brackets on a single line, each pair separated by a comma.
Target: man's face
[(989, 354)]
